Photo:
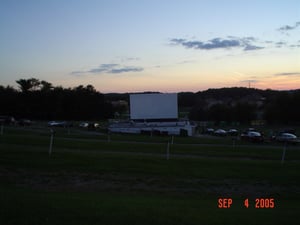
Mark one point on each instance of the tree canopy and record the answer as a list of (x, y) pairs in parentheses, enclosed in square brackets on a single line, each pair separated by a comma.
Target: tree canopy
[(41, 100)]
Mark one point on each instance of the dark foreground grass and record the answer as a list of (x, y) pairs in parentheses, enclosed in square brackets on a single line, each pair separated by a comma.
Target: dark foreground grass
[(37, 158), (94, 182), (26, 207)]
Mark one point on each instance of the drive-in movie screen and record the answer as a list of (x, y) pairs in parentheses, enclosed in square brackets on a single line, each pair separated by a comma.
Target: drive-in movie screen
[(149, 112)]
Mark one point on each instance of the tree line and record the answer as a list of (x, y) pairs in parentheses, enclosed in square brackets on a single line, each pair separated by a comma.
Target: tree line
[(243, 105), (40, 100)]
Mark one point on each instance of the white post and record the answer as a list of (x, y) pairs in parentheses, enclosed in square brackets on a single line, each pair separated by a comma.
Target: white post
[(283, 153), (168, 151), (172, 141), (51, 142)]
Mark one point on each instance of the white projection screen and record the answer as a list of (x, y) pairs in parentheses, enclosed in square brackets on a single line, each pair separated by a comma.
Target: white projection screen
[(153, 106)]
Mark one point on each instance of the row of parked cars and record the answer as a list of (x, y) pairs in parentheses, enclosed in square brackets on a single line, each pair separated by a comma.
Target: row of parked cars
[(88, 125), (9, 120), (221, 132), (251, 134)]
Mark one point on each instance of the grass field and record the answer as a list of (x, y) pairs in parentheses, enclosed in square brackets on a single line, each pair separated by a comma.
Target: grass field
[(126, 179)]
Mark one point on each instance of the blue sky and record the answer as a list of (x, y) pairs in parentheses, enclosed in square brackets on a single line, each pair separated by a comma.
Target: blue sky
[(168, 46)]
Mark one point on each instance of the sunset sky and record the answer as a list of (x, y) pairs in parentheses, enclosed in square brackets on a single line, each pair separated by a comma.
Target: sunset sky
[(157, 45)]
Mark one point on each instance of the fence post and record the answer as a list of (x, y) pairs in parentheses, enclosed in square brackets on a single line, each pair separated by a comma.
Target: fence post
[(2, 128), (283, 153), (168, 151), (234, 141), (108, 136), (51, 141)]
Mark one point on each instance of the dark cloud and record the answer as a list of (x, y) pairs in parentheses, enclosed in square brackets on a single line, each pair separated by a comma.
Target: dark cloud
[(128, 59), (77, 73), (288, 27), (218, 43), (288, 74), (294, 46), (280, 44), (103, 68), (126, 70), (115, 68), (252, 47), (110, 68), (285, 28)]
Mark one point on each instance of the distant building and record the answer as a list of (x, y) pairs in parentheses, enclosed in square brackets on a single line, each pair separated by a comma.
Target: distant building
[(119, 103), (154, 114)]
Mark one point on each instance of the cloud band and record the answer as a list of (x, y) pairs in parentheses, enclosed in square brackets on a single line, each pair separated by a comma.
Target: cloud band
[(218, 43)]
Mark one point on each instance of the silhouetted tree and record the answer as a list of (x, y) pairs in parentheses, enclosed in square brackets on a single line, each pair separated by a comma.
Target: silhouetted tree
[(46, 86), (28, 84), (24, 85)]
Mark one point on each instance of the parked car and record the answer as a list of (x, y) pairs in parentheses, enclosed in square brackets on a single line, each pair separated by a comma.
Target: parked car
[(58, 124), (84, 125), (252, 136), (8, 120), (24, 122), (92, 126), (220, 132), (89, 125), (208, 131), (287, 137), (233, 132)]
